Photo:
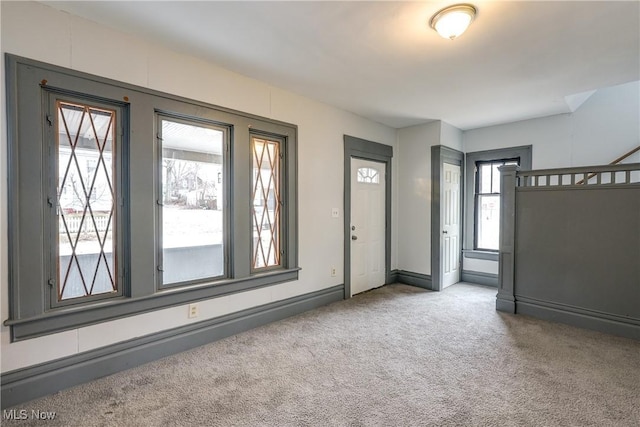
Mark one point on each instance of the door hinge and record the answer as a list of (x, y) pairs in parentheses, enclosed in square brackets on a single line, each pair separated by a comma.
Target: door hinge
[(50, 119), (50, 202), (51, 283), (160, 268)]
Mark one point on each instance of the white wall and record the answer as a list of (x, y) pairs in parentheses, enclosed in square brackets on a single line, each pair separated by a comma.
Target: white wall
[(414, 196), (39, 32), (480, 265), (606, 126), (414, 201), (450, 136)]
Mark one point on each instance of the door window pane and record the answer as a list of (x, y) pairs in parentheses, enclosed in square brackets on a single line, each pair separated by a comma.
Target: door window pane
[(85, 191), (368, 176), (266, 202), (192, 192)]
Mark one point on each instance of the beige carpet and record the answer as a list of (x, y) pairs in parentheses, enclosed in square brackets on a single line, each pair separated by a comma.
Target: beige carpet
[(395, 356)]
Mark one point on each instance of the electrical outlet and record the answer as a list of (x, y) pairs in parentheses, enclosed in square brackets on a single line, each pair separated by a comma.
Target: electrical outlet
[(335, 213), (333, 272), (193, 311)]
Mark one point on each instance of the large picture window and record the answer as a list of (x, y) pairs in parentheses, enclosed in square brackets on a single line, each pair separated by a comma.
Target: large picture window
[(191, 200), (123, 200)]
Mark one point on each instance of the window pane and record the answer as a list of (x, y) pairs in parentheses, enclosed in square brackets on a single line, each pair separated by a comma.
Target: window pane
[(86, 194), (484, 175), (192, 215), (265, 209), (496, 177), (488, 222), (368, 176)]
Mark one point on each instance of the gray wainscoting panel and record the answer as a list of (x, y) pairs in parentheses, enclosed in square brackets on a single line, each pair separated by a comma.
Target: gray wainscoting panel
[(27, 384), (578, 251)]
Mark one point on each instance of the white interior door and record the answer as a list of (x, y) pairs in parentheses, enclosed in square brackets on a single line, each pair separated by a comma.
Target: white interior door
[(367, 225), (450, 217)]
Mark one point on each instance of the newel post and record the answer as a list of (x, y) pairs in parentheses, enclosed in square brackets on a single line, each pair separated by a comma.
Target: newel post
[(505, 300)]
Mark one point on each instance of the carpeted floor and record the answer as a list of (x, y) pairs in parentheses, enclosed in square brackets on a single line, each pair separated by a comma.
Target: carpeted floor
[(395, 356)]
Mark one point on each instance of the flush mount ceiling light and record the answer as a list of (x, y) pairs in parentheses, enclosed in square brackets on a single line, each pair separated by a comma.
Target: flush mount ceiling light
[(454, 20)]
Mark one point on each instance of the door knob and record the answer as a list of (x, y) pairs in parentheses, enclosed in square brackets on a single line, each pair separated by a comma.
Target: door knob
[(354, 237)]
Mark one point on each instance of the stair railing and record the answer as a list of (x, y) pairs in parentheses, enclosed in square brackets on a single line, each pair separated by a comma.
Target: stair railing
[(615, 162)]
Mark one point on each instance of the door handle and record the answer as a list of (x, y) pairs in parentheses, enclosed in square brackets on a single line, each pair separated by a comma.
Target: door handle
[(354, 237), (444, 232)]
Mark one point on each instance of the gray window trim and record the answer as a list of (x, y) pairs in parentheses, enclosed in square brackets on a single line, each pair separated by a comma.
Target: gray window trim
[(475, 254), (523, 152), (368, 150), (29, 315)]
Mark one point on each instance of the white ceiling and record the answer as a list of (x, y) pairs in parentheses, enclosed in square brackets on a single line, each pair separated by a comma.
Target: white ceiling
[(380, 60)]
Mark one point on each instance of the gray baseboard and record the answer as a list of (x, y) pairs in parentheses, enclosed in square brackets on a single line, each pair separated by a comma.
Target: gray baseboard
[(414, 279), (35, 381), (480, 278), (393, 277), (507, 305), (574, 316)]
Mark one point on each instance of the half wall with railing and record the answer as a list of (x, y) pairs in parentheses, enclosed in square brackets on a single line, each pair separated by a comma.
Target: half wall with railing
[(570, 246)]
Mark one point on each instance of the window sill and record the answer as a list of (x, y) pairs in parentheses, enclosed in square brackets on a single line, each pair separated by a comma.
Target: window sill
[(74, 317), (476, 254)]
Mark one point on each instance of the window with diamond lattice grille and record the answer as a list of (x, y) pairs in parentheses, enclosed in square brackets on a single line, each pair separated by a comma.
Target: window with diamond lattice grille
[(86, 263), (266, 203)]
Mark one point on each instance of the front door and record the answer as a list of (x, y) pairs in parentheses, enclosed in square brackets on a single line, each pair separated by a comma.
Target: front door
[(450, 217), (367, 225)]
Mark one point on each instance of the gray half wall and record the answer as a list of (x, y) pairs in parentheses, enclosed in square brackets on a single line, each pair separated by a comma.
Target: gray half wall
[(30, 383), (570, 246)]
